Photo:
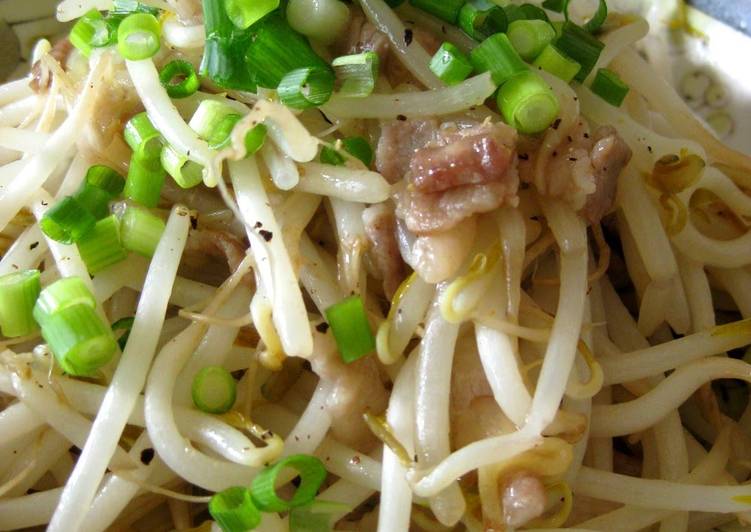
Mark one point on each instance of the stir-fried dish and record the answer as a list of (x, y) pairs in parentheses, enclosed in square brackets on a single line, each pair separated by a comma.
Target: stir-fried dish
[(314, 265)]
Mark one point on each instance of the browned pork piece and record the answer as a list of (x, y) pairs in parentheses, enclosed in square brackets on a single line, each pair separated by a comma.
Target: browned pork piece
[(583, 169), (464, 171), (380, 228), (356, 388)]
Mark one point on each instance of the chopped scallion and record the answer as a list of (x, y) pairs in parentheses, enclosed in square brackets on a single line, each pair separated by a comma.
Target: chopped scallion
[(596, 20), (126, 7), (356, 75), (223, 56), (312, 474), (123, 324), (554, 5), (145, 181), (179, 79), (528, 103), (497, 55), (533, 12), (18, 294), (105, 178), (209, 116), (317, 516), (142, 137), (349, 323), (67, 221), (79, 339), (447, 10), (610, 87), (552, 60), (93, 199), (138, 36), (234, 511), (186, 173), (140, 231), (61, 294), (245, 13), (530, 37), (357, 147), (580, 46), (276, 49), (360, 148), (450, 64), (89, 32), (255, 139), (101, 247), (482, 18), (306, 87), (214, 390)]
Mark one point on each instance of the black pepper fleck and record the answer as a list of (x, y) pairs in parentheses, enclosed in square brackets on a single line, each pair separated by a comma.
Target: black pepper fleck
[(586, 135), (408, 35), (524, 156), (147, 455), (34, 245), (556, 123), (322, 327), (267, 235), (573, 159), (401, 118), (194, 222), (258, 225)]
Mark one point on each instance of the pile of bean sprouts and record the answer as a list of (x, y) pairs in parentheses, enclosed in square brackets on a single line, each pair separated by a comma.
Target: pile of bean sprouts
[(580, 366)]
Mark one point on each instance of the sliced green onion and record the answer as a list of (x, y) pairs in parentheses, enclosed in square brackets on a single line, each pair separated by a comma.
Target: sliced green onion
[(18, 294), (554, 5), (100, 248), (533, 12), (221, 136), (138, 36), (67, 221), (79, 339), (351, 328), (214, 390), (316, 516), (312, 474), (580, 46), (234, 511), (306, 87), (276, 49), (142, 137), (598, 17), (530, 37), (552, 60), (356, 75), (179, 79), (105, 178), (482, 18), (245, 13), (528, 103), (394, 3), (140, 231), (450, 64), (332, 157), (209, 116), (360, 148), (186, 173), (145, 181), (447, 10), (255, 138), (61, 294), (123, 324), (93, 199), (610, 87), (514, 12), (497, 55), (223, 56), (102, 184), (89, 32)]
